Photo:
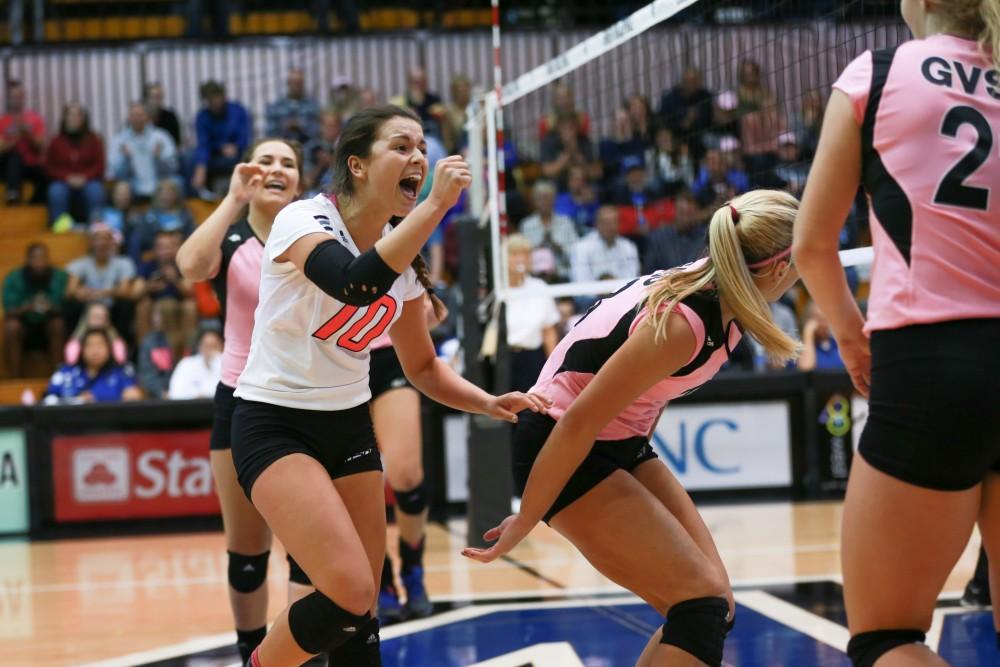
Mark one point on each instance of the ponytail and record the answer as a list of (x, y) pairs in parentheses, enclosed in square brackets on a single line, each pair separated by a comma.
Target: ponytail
[(974, 19), (762, 231), (419, 266)]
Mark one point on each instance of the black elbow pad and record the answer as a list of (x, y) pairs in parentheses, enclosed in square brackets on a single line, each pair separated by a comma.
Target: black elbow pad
[(356, 281)]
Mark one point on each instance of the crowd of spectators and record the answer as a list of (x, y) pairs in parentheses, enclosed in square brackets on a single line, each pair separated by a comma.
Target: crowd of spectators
[(602, 205)]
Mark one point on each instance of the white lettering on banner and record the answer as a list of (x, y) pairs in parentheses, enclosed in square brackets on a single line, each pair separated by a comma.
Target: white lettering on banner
[(163, 473), (101, 475), (726, 445)]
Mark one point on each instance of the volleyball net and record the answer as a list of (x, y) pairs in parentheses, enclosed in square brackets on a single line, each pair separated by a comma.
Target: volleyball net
[(663, 116)]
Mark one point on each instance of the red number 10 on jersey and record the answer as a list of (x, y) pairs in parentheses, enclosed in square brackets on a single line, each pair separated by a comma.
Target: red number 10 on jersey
[(380, 313)]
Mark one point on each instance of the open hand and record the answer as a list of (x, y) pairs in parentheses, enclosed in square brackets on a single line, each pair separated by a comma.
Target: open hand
[(246, 182), (510, 532), (507, 406)]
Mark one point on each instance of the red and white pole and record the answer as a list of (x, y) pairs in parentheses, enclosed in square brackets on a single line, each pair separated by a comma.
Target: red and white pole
[(497, 86)]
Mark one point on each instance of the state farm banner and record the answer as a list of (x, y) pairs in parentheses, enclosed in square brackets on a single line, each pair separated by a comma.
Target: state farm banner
[(132, 475)]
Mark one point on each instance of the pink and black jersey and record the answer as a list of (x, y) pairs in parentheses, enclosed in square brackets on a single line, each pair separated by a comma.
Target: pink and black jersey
[(606, 327), (237, 286), (929, 112)]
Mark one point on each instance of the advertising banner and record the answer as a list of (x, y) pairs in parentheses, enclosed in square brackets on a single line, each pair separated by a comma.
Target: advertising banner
[(726, 445), (13, 482), (132, 475)]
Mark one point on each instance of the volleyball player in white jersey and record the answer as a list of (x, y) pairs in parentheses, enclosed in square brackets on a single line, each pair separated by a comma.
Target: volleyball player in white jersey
[(918, 127), (587, 466), (334, 277), (227, 249)]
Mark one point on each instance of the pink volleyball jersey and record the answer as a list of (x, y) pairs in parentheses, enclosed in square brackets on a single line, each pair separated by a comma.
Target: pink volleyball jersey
[(606, 327), (929, 112), (237, 286)]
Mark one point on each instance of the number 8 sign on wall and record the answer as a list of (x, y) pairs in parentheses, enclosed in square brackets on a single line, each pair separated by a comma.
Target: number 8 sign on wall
[(381, 313)]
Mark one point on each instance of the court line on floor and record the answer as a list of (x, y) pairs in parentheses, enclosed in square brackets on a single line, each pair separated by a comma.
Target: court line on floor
[(797, 618), (582, 597)]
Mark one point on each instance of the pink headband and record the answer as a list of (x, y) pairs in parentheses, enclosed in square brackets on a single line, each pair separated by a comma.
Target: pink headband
[(764, 262)]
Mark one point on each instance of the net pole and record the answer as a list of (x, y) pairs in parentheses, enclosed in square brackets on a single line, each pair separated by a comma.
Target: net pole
[(500, 285)]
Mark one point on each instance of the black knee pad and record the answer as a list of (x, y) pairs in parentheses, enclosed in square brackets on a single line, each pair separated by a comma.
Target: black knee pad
[(296, 574), (361, 650), (413, 501), (698, 626), (319, 625), (867, 647), (247, 573)]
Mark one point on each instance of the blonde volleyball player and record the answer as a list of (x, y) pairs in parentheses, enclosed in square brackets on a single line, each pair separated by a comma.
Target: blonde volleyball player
[(587, 467), (227, 249), (334, 277), (919, 127)]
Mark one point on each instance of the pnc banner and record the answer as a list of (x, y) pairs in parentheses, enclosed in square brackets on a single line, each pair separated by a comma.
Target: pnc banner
[(726, 445), (132, 475)]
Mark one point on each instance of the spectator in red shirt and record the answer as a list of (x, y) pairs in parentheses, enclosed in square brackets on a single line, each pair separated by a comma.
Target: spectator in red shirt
[(74, 164), (22, 138)]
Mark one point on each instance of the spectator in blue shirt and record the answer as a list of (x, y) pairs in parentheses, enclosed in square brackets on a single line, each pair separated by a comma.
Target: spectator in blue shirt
[(717, 182), (95, 378), (819, 348), (224, 131), (579, 201)]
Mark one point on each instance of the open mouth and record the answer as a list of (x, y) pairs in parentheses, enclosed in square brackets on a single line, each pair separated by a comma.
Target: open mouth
[(410, 186), (275, 186)]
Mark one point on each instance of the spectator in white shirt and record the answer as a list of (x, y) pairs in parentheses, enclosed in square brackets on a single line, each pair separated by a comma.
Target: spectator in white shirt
[(547, 229), (602, 253), (141, 153), (196, 376), (531, 321)]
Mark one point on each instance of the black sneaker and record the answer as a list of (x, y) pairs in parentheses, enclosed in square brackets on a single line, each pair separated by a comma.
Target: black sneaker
[(976, 595)]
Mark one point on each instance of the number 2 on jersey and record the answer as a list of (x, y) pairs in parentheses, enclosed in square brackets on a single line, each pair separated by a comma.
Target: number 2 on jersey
[(953, 190), (380, 312)]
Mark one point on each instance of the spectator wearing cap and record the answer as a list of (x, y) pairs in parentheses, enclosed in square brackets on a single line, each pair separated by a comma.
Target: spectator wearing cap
[(531, 319), (579, 201), (296, 115), (162, 117), (680, 243), (547, 229), (22, 143), (642, 206), (717, 182), (102, 276), (223, 129), (197, 375), (32, 306), (687, 109), (141, 154), (74, 164), (603, 254), (790, 171)]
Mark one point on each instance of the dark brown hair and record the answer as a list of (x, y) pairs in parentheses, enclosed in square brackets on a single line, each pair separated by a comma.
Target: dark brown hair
[(357, 138)]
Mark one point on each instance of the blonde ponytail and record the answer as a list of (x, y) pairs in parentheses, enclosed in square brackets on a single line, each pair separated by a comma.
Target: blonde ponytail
[(974, 19), (764, 230)]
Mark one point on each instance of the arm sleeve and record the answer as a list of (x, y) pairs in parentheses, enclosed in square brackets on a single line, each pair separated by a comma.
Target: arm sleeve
[(856, 82), (356, 281)]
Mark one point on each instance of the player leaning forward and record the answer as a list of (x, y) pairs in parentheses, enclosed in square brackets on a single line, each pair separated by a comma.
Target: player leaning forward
[(335, 276)]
